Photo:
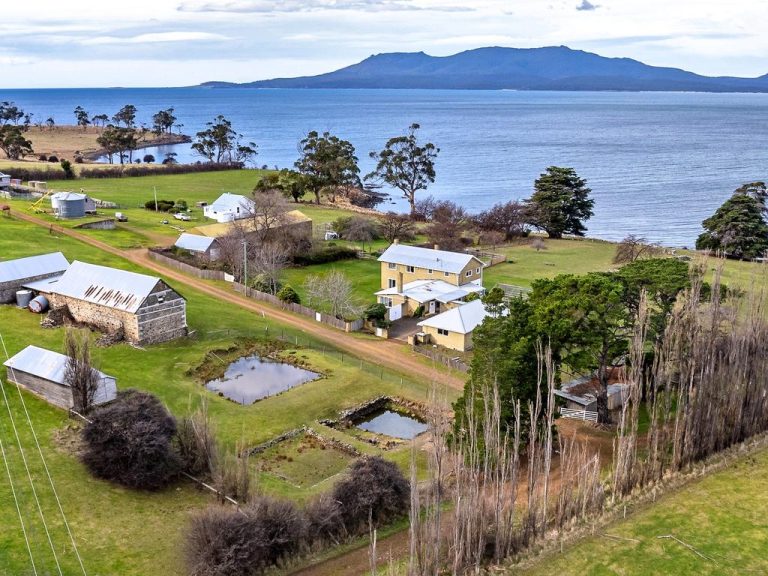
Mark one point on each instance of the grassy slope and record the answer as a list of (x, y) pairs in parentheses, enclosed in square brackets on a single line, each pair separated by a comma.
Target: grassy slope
[(127, 533), (724, 516)]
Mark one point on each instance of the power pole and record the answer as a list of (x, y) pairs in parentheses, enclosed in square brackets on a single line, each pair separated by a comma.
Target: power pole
[(245, 262), (155, 189)]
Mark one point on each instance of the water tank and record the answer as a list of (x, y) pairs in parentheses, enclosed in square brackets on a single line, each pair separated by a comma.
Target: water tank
[(23, 297), (39, 304), (69, 204)]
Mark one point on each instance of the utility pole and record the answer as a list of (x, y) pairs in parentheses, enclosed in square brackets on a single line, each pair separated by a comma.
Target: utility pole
[(245, 262), (155, 189)]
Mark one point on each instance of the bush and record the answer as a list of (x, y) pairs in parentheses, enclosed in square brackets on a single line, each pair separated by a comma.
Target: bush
[(375, 312), (69, 173), (148, 158), (233, 477), (78, 159), (162, 205), (130, 170), (419, 312), (288, 294), (374, 489), (181, 204), (53, 159), (196, 445), (325, 524), (42, 158), (325, 255), (129, 442), (227, 542)]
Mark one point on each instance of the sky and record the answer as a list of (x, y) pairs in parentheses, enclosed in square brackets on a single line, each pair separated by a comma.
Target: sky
[(79, 43)]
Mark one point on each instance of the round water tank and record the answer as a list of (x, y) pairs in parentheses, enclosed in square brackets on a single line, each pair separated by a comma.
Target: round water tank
[(23, 297), (56, 202), (39, 304), (72, 206)]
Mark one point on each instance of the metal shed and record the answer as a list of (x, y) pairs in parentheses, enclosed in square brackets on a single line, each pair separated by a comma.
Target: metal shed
[(42, 372), (15, 274)]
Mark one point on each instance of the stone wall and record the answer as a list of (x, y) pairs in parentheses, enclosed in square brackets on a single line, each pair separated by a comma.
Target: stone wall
[(8, 289), (162, 317)]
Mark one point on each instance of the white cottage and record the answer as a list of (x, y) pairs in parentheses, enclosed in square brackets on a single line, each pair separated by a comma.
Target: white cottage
[(229, 207)]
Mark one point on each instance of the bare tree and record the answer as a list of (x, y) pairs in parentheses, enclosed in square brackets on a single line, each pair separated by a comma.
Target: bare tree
[(394, 226), (361, 230), (635, 248), (231, 248), (267, 212), (79, 373), (332, 293), (538, 244), (267, 261)]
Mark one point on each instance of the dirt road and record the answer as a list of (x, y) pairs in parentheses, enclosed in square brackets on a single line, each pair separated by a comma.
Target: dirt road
[(388, 353)]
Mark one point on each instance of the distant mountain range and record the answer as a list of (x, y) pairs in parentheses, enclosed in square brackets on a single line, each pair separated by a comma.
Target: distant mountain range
[(495, 68)]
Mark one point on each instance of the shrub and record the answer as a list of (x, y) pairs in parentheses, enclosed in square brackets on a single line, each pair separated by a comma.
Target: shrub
[(196, 445), (129, 442), (325, 255), (374, 489), (419, 312), (227, 542), (162, 205), (131, 170), (232, 476), (148, 158), (375, 312), (69, 173), (53, 159), (181, 204), (325, 524), (471, 296), (288, 294), (78, 159)]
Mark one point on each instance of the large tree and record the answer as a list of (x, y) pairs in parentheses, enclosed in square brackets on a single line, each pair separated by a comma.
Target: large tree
[(289, 183), (406, 165), (126, 115), (738, 228), (507, 218), (221, 143), (560, 203), (163, 121), (13, 142), (328, 163), (81, 116)]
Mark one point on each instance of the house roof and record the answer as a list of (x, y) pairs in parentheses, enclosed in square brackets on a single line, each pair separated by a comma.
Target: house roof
[(441, 260), (229, 201), (248, 225), (194, 242), (32, 266), (42, 363), (44, 285), (105, 286), (425, 290), (462, 320)]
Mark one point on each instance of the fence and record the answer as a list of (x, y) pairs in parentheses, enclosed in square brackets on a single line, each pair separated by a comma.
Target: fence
[(452, 362), (186, 268), (578, 414), (347, 326), (488, 258)]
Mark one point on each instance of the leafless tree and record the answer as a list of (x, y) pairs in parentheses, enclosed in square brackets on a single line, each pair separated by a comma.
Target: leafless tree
[(79, 373), (538, 244), (361, 230), (231, 248), (332, 293), (267, 261), (267, 212), (634, 248), (396, 226)]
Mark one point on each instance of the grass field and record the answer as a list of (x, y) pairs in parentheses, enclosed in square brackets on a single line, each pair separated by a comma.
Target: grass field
[(129, 533), (723, 516)]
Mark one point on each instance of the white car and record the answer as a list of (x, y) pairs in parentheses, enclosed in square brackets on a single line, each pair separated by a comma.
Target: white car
[(182, 216)]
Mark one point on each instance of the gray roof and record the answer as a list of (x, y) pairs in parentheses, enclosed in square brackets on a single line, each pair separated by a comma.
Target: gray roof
[(194, 243), (440, 260), (229, 201), (32, 266), (68, 196), (105, 286), (45, 285), (42, 363), (462, 319)]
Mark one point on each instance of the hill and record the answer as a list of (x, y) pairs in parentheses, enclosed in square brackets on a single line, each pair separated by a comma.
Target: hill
[(497, 68)]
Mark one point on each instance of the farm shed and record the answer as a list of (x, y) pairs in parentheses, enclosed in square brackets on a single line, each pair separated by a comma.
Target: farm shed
[(42, 372), (145, 308), (200, 246), (14, 274), (581, 393)]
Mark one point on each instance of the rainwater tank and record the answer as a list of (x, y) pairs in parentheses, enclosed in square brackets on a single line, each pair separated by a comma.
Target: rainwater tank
[(69, 204), (39, 304), (23, 297)]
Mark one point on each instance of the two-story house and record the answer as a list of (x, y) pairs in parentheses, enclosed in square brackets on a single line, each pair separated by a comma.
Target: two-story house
[(435, 280)]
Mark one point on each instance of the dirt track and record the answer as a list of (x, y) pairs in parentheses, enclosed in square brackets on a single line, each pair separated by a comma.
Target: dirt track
[(388, 353)]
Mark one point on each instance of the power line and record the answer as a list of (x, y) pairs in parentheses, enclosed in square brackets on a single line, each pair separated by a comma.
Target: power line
[(18, 508), (45, 465)]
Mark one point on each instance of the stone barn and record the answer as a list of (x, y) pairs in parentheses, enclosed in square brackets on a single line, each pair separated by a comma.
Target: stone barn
[(144, 308), (14, 274), (42, 372)]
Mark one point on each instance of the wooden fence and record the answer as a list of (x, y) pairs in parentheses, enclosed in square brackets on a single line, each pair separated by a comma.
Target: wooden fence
[(450, 361), (578, 414), (186, 268)]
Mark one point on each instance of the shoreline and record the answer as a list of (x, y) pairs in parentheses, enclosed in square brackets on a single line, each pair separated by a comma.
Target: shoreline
[(164, 140)]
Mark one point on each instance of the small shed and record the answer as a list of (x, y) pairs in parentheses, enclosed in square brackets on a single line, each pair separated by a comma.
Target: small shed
[(201, 246), (581, 393), (5, 180), (42, 372), (15, 274)]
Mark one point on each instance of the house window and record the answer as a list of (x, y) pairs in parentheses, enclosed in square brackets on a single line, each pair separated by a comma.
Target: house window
[(392, 266), (429, 270), (409, 269), (386, 301), (447, 273), (392, 283), (477, 270), (469, 273), (442, 331)]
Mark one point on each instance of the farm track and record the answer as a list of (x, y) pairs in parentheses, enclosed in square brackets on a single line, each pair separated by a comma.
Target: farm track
[(387, 353)]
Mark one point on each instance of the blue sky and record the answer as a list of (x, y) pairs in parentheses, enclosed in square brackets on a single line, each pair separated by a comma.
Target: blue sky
[(46, 43)]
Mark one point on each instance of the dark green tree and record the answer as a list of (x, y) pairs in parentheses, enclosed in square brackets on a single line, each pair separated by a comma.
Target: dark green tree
[(10, 113), (560, 203), (328, 163), (82, 117), (737, 229), (406, 165), (163, 121), (126, 115), (220, 143), (289, 183), (13, 142)]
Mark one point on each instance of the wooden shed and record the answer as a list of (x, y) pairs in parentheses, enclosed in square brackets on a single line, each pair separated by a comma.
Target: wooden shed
[(42, 372)]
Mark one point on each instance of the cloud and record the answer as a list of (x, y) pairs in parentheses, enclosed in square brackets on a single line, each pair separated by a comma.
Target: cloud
[(154, 38), (587, 6), (271, 6)]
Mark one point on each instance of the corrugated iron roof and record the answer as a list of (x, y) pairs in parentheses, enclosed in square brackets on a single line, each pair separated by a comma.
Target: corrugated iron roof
[(228, 201), (462, 319), (105, 286), (42, 363), (65, 196), (248, 225), (440, 260), (194, 243), (32, 266)]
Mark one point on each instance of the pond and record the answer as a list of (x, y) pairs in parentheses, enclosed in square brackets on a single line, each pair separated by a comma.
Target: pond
[(391, 423), (253, 378)]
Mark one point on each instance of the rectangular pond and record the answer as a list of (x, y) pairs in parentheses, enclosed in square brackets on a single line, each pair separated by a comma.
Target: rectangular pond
[(393, 424), (253, 378)]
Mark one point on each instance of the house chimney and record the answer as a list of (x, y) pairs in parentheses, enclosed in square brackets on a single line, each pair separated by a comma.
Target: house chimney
[(396, 241), (437, 246)]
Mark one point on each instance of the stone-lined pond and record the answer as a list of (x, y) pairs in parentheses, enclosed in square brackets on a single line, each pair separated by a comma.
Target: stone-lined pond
[(252, 378), (393, 424)]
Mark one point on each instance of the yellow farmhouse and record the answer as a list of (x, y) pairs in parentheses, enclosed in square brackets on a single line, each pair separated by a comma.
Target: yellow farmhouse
[(453, 329), (436, 280)]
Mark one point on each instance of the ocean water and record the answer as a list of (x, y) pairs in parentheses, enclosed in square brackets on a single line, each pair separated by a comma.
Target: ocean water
[(657, 163)]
